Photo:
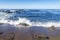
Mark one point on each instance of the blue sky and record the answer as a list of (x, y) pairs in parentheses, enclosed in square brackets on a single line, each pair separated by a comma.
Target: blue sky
[(30, 4)]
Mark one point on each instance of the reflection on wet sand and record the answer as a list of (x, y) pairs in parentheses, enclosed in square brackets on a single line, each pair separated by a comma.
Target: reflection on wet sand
[(11, 32)]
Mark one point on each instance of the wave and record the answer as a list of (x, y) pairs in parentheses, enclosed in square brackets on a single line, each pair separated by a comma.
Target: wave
[(32, 18), (33, 23)]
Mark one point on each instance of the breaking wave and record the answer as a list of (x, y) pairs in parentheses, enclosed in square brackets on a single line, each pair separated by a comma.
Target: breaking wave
[(33, 23), (39, 17)]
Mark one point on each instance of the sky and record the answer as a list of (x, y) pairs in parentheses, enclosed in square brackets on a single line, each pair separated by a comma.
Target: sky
[(29, 4)]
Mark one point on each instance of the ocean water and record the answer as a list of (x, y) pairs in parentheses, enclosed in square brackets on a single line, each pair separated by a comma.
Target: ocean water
[(33, 17)]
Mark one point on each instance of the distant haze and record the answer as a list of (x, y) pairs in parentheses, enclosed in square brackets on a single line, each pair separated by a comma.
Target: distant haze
[(29, 4)]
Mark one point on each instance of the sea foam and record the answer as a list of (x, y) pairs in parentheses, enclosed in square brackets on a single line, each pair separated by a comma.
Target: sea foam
[(33, 23)]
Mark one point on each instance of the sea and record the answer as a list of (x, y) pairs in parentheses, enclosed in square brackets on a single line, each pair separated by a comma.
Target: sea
[(33, 17)]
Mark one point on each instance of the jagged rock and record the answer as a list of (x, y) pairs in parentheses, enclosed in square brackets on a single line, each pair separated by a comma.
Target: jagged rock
[(24, 24)]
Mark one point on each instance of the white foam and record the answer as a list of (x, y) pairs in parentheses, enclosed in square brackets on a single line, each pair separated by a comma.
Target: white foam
[(25, 20), (3, 17)]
